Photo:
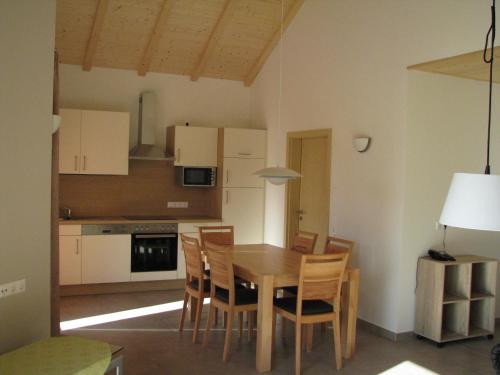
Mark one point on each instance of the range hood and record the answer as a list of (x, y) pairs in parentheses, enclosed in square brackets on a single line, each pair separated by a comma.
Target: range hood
[(146, 148)]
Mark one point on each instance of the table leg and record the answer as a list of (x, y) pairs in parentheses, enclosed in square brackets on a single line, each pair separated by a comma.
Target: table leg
[(349, 314), (264, 323)]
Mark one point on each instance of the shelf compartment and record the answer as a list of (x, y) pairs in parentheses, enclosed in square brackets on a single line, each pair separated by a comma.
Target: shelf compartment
[(483, 278), (457, 282), (478, 296), (482, 317), (455, 321), (454, 299)]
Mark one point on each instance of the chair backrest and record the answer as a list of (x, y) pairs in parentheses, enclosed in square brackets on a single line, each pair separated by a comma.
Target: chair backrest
[(336, 245), (192, 254), (221, 268), (218, 235), (321, 278), (304, 242)]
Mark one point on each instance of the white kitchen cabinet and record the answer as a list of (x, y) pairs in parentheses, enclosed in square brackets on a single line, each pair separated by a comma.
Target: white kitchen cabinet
[(70, 260), (105, 142), (93, 142), (69, 140), (240, 172), (244, 209), (245, 143), (193, 146), (106, 258)]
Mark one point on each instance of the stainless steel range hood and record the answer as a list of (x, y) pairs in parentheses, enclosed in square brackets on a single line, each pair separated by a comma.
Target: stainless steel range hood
[(146, 148)]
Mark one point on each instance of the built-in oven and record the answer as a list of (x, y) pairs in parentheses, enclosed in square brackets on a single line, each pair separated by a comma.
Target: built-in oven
[(153, 252), (196, 176)]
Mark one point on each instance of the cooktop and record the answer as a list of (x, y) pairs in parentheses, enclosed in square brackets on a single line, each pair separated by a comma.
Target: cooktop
[(149, 217)]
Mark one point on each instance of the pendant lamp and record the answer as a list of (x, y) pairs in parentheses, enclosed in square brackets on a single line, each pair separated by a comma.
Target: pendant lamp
[(473, 200), (279, 175)]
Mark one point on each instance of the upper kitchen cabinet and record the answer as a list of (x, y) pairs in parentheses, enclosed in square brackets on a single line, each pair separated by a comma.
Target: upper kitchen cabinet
[(192, 146), (94, 142), (244, 143)]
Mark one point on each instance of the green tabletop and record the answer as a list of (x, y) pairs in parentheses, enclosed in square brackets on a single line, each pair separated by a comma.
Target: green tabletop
[(58, 356)]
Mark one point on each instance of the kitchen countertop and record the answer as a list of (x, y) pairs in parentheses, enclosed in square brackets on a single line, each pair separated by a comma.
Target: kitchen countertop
[(123, 220)]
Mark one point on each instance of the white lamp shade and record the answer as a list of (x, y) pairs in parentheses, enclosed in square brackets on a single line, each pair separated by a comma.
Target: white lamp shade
[(473, 202), (56, 122), (361, 143), (277, 175)]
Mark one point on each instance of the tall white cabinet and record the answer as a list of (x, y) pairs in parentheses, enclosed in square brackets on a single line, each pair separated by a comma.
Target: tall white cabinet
[(93, 142), (243, 192)]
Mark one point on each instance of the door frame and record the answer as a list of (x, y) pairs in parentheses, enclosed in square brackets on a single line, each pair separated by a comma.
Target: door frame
[(292, 137)]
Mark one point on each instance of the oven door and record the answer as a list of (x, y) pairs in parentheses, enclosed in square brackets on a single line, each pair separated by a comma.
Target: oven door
[(198, 176), (154, 252)]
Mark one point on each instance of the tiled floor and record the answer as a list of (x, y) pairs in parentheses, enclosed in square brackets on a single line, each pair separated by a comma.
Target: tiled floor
[(154, 346)]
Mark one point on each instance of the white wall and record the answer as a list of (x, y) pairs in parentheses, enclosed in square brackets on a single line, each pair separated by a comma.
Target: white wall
[(27, 32), (446, 133), (207, 102), (345, 68)]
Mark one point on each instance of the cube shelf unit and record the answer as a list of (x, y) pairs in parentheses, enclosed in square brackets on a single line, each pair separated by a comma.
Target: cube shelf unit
[(455, 300)]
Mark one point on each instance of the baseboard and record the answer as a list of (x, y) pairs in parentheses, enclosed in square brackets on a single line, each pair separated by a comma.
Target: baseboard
[(385, 333), (136, 286)]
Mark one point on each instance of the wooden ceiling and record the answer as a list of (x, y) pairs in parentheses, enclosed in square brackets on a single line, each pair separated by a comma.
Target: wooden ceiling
[(469, 65), (228, 39)]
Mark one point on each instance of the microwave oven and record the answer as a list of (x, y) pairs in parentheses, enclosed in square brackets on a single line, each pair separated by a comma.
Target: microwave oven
[(196, 176)]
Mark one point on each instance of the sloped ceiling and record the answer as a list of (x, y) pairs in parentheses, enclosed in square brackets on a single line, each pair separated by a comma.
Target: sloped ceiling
[(227, 39)]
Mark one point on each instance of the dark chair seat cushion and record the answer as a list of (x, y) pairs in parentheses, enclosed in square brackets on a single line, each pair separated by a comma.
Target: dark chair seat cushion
[(309, 307), (291, 289), (243, 296), (206, 284)]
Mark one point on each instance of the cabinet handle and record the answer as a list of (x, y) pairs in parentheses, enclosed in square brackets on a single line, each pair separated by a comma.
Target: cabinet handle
[(227, 196), (76, 163), (77, 246), (84, 162), (244, 153), (227, 176), (178, 158)]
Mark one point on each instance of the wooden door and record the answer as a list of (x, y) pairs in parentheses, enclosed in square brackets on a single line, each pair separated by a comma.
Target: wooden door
[(70, 260), (195, 146), (106, 258), (105, 142), (314, 200), (238, 172), (244, 208), (245, 143), (69, 141)]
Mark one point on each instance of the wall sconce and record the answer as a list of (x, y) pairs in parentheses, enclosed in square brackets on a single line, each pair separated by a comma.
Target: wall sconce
[(361, 144)]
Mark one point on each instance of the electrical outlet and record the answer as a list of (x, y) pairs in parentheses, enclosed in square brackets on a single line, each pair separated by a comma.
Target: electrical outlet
[(14, 287)]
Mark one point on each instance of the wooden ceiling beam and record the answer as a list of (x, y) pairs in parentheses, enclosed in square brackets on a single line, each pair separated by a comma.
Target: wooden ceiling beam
[(100, 14), (152, 46), (220, 26), (255, 69)]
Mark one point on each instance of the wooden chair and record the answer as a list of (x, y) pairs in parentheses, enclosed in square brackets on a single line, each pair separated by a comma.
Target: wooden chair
[(337, 245), (197, 285), (304, 242), (224, 295), (320, 281), (219, 235)]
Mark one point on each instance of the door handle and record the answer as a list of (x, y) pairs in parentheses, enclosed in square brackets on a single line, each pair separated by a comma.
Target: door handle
[(244, 153), (227, 176), (77, 246), (76, 163)]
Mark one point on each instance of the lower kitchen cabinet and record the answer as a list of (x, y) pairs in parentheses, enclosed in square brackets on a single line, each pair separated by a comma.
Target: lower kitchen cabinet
[(106, 258), (244, 209), (70, 260)]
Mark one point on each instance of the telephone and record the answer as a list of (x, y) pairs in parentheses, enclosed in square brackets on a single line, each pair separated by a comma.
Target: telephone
[(440, 255)]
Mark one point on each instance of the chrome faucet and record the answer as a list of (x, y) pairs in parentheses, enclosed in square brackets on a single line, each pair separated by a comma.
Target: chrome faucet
[(66, 213)]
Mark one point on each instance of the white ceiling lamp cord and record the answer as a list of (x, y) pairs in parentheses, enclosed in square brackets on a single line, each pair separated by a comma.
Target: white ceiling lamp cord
[(277, 175)]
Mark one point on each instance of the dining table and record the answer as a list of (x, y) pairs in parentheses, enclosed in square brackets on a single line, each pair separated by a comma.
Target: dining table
[(271, 267)]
